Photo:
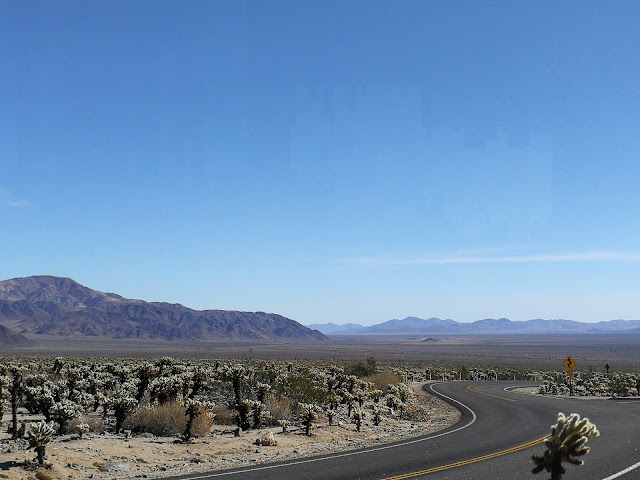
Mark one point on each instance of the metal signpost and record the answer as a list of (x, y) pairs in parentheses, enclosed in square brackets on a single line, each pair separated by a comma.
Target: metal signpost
[(570, 363)]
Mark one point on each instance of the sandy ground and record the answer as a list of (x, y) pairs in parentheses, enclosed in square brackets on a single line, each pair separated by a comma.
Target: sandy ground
[(109, 456)]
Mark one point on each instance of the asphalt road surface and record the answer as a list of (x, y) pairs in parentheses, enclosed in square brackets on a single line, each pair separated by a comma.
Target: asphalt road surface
[(495, 438)]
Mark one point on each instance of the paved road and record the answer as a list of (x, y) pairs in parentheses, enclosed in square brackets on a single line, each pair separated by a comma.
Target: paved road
[(494, 420)]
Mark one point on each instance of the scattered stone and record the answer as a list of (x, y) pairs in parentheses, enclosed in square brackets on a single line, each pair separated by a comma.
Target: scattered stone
[(267, 440), (116, 467), (237, 432)]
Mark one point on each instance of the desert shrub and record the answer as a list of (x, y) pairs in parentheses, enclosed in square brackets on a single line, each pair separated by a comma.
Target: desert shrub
[(303, 387), (383, 379), (223, 415), (416, 410), (169, 419), (360, 369), (203, 425), (96, 425), (163, 420), (280, 408)]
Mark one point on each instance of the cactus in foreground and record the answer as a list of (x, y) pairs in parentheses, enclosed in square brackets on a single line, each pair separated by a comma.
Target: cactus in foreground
[(567, 441), (39, 435)]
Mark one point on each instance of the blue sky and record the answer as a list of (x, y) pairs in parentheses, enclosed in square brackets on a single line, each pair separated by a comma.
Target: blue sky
[(330, 161)]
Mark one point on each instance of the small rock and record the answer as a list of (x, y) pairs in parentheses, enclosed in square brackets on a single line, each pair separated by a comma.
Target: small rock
[(237, 432), (267, 440), (117, 467)]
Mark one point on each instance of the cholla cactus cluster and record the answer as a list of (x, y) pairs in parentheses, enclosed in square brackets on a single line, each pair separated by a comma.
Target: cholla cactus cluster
[(255, 393), (258, 393), (567, 442), (594, 384)]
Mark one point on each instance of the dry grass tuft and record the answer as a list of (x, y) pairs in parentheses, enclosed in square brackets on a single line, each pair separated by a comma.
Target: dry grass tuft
[(383, 379), (280, 408), (167, 420)]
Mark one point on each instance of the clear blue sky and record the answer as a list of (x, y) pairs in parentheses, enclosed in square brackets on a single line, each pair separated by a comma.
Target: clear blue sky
[(330, 161)]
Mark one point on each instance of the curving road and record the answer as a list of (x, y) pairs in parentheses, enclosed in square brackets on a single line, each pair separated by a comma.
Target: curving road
[(489, 442)]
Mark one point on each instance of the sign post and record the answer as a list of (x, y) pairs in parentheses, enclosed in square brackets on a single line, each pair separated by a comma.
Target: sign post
[(570, 363)]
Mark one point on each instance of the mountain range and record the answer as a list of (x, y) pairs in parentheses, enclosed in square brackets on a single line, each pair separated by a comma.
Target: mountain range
[(47, 305), (419, 326)]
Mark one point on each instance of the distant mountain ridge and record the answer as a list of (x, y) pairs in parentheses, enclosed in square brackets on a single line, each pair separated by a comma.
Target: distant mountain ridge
[(47, 305), (419, 326)]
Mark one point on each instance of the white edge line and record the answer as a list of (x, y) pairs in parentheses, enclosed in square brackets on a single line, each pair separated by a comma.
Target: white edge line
[(622, 472), (348, 454)]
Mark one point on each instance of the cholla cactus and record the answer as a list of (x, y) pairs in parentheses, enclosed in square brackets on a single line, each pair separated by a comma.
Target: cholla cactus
[(331, 415), (39, 435), (393, 402), (64, 411), (568, 437), (358, 416), (376, 395), (257, 411), (17, 385), (238, 376), (193, 410), (379, 411), (4, 397), (122, 408), (284, 424), (261, 391), (404, 392), (81, 429), (309, 412)]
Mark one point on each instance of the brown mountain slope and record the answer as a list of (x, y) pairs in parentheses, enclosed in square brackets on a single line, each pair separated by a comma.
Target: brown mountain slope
[(9, 338), (48, 305)]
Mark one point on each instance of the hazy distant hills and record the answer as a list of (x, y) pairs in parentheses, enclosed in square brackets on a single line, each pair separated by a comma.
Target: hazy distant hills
[(419, 326), (46, 305)]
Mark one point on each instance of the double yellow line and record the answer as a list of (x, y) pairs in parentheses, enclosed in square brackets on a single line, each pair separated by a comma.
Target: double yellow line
[(490, 395), (468, 462)]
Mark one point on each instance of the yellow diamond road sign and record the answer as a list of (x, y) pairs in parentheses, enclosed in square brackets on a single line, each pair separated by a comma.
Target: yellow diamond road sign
[(569, 363)]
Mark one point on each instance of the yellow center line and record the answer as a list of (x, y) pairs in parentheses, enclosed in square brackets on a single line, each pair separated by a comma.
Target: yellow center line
[(467, 462), (491, 395)]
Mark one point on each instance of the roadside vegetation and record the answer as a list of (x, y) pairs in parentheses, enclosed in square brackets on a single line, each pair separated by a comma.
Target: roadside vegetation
[(184, 399)]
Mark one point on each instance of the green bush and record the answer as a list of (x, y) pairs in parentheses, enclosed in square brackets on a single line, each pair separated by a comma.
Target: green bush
[(362, 369)]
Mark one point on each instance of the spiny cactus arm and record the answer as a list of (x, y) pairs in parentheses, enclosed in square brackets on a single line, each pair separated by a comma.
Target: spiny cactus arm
[(568, 438)]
